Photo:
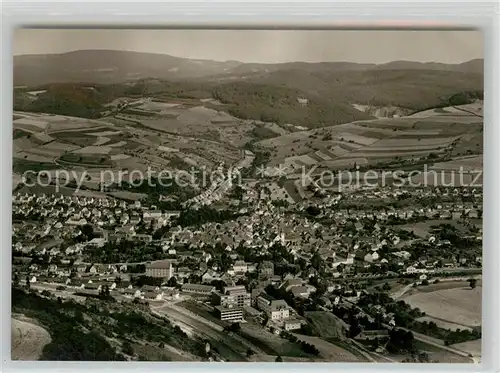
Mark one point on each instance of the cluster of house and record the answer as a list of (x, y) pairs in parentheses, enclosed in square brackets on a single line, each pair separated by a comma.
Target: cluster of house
[(222, 181), (303, 237), (358, 238), (79, 211), (264, 227), (230, 304)]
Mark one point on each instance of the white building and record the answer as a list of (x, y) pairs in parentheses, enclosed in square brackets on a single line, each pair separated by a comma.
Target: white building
[(275, 309)]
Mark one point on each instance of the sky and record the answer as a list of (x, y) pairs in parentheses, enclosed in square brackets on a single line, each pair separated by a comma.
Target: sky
[(264, 46)]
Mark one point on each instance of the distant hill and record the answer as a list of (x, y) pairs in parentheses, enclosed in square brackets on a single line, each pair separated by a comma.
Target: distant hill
[(473, 66), (332, 91), (111, 66)]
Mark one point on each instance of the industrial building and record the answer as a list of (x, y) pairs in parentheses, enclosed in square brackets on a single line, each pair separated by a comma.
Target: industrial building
[(232, 296), (229, 314)]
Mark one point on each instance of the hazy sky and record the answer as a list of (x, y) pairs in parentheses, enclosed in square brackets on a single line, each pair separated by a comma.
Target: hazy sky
[(264, 46)]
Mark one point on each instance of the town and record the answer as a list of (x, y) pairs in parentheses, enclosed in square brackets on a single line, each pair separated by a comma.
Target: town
[(269, 198), (264, 262)]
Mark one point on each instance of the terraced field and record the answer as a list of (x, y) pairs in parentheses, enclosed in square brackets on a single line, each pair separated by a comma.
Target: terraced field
[(75, 142), (429, 135)]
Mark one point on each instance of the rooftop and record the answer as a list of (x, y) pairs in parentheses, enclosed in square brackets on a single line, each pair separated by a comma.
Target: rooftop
[(160, 264), (197, 287)]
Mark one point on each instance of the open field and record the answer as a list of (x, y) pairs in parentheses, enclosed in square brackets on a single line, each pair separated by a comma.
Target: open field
[(168, 353), (472, 163), (101, 141), (193, 120), (271, 343), (443, 285), (328, 350), (93, 150), (440, 355), (27, 339), (327, 325), (22, 164), (85, 160), (90, 143), (444, 324), (467, 110), (65, 191), (459, 305), (372, 141), (471, 347), (52, 123)]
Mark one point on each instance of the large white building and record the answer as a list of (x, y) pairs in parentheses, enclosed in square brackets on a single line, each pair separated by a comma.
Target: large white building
[(229, 314), (233, 296), (275, 309), (160, 269)]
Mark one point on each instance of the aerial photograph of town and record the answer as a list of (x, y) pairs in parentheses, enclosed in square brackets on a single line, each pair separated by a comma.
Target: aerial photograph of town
[(247, 195)]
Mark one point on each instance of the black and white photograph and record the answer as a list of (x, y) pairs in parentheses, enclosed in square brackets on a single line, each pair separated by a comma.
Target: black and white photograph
[(244, 195)]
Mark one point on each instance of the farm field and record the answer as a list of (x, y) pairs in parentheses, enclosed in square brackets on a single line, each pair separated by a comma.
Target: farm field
[(75, 142), (194, 119), (270, 343), (460, 305), (373, 141), (471, 347), (65, 191), (472, 163), (168, 353), (444, 324), (444, 285), (460, 110), (440, 355)]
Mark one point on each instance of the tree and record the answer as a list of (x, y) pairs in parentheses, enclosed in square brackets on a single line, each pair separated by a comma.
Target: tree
[(354, 327), (104, 292), (28, 283), (472, 283), (423, 357), (127, 348), (87, 232), (172, 282), (279, 359), (234, 327), (316, 261), (400, 340)]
